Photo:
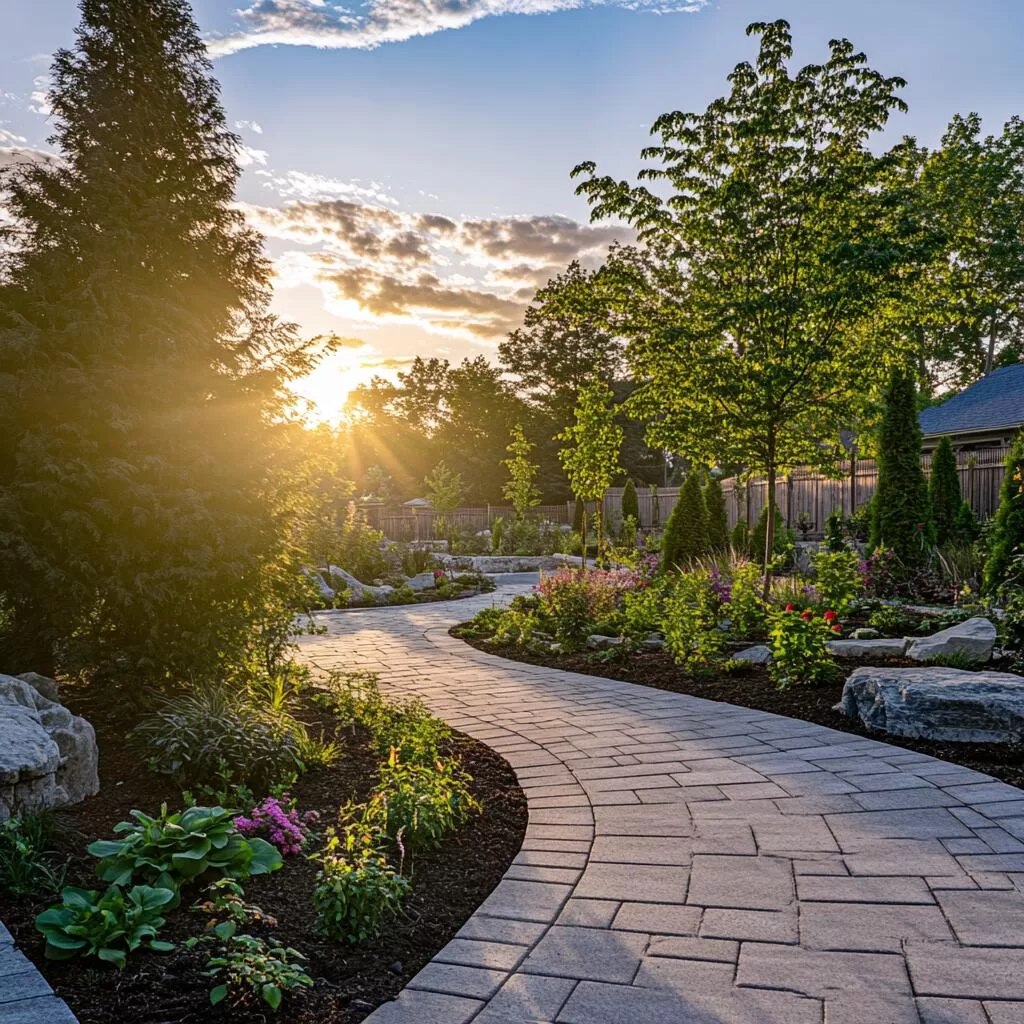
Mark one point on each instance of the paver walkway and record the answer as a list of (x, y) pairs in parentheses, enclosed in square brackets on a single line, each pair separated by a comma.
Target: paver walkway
[(698, 863)]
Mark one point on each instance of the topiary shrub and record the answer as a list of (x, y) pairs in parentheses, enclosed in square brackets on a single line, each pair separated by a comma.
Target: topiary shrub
[(944, 492), (686, 532), (718, 520), (1007, 536), (900, 511)]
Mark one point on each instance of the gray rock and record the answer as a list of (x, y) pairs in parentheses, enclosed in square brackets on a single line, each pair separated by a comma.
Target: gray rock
[(972, 639), (868, 648), (758, 655), (600, 643), (326, 593), (653, 643), (358, 590), (421, 581), (49, 688), (866, 633), (938, 703), (48, 756)]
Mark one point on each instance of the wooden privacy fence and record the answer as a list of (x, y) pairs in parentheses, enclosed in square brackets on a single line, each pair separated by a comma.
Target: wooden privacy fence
[(802, 491)]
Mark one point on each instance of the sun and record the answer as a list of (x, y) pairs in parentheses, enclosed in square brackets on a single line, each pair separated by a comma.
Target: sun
[(327, 388)]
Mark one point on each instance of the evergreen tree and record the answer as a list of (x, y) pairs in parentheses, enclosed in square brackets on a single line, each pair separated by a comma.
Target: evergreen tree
[(630, 502), (900, 512), (718, 519), (944, 492), (579, 512), (740, 538), (141, 379), (1007, 539), (686, 532)]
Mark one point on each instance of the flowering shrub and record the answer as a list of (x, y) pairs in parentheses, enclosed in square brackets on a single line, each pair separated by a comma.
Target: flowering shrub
[(885, 576), (691, 628), (283, 828), (799, 642), (840, 580), (571, 601)]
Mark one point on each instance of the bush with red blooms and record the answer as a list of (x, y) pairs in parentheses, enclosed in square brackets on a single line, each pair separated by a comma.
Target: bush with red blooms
[(799, 644)]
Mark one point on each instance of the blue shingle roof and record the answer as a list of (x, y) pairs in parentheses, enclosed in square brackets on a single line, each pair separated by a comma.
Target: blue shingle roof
[(995, 402)]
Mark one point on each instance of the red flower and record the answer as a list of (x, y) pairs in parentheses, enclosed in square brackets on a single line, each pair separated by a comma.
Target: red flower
[(830, 617), (790, 607), (836, 628), (807, 615)]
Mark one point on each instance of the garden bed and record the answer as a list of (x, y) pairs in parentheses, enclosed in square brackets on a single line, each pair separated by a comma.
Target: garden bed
[(754, 689), (448, 884)]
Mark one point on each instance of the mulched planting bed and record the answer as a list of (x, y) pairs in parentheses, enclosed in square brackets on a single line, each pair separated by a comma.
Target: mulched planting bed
[(754, 689), (448, 884)]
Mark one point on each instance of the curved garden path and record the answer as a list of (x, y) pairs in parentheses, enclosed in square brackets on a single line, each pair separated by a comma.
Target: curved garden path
[(698, 863)]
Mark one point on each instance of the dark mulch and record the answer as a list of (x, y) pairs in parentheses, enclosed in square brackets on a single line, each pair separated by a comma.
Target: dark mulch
[(754, 689), (448, 886)]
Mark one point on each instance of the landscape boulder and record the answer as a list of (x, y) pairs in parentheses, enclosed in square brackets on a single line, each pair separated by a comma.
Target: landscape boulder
[(880, 648), (49, 688), (421, 581), (758, 655), (938, 703), (48, 756), (973, 639), (358, 591), (601, 643)]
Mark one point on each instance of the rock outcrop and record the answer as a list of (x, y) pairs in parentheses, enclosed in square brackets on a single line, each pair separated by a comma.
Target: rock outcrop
[(973, 639)]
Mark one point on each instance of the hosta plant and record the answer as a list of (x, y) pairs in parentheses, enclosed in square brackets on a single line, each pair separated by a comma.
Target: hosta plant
[(173, 849), (108, 926), (251, 969), (799, 643)]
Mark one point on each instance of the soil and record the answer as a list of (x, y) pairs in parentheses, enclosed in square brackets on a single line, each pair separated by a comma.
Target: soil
[(754, 689), (448, 884)]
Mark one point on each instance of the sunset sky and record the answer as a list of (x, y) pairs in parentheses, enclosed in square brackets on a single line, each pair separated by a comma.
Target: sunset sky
[(408, 160)]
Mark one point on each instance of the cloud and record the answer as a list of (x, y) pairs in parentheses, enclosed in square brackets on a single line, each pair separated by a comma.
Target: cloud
[(327, 24), (12, 155), (300, 185), (39, 98), (252, 126), (247, 156), (550, 238)]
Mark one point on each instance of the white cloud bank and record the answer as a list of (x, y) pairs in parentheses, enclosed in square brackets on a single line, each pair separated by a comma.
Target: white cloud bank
[(329, 25)]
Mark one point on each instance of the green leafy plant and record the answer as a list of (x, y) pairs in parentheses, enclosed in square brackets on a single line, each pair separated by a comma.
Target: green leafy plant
[(892, 620), (217, 736), (224, 900), (27, 868), (747, 609), (422, 802), (783, 539), (838, 579), (172, 849), (737, 667), (251, 968), (356, 890), (1006, 537), (799, 644), (108, 926), (691, 630)]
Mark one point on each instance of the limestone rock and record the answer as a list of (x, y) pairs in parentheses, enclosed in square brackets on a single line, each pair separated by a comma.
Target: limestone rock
[(359, 591), (48, 756), (49, 688), (325, 592), (757, 655), (973, 639), (881, 648), (421, 581), (653, 643), (938, 703)]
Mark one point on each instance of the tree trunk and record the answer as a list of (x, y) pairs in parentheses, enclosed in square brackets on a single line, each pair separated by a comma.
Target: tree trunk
[(990, 353), (769, 526), (583, 540)]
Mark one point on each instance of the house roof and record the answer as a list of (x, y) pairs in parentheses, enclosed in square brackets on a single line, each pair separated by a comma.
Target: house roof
[(994, 403)]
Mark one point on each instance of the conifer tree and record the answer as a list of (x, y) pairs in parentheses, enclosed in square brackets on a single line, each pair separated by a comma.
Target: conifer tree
[(900, 513), (630, 502), (141, 378), (686, 532), (944, 492), (718, 519), (1007, 539)]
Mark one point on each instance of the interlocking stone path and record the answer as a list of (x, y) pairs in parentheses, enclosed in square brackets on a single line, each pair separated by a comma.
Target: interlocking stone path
[(699, 863), (25, 997)]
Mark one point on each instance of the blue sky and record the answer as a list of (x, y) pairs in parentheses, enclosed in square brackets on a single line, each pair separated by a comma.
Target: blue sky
[(415, 192)]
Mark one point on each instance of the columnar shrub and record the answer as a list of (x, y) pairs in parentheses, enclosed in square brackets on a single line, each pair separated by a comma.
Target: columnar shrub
[(900, 512), (944, 491), (630, 502), (686, 533), (1007, 537), (718, 520)]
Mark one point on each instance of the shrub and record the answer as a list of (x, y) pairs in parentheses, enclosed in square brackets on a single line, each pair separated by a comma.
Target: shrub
[(108, 927), (643, 610), (216, 736), (966, 528), (356, 890), (279, 825), (357, 547), (784, 538), (686, 532), (1007, 533), (691, 630), (26, 867), (835, 532), (224, 901), (838, 578), (174, 849), (253, 969), (739, 539), (571, 600), (892, 620), (900, 511), (718, 520), (421, 803), (747, 610), (944, 492), (630, 502), (799, 643)]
